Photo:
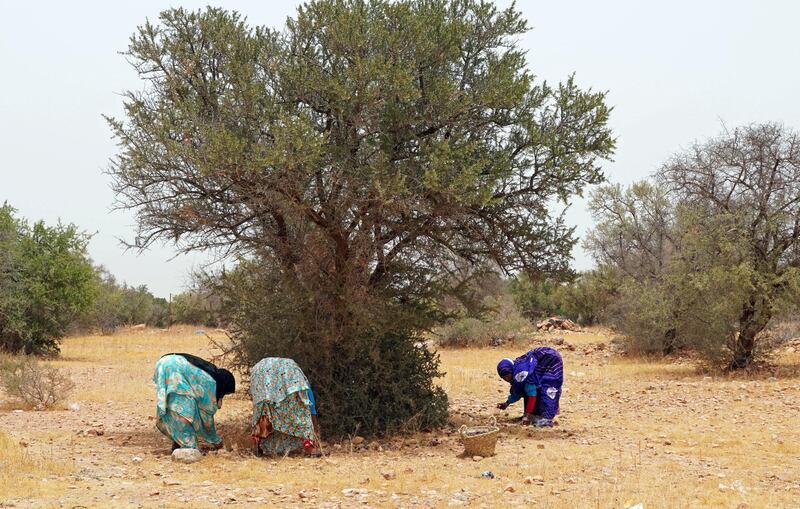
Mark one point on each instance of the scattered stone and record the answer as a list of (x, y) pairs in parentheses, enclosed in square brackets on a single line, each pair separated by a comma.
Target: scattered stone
[(351, 492), (74, 407), (487, 474), (540, 446), (558, 340), (357, 440), (155, 493), (169, 482), (186, 455), (136, 459), (555, 323), (389, 475), (23, 443), (477, 458), (509, 488), (667, 442)]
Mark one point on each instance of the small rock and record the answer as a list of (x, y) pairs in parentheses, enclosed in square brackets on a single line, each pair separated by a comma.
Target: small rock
[(357, 440), (477, 458), (487, 474), (74, 407), (389, 475), (171, 483), (23, 443), (154, 493), (136, 459), (540, 446), (351, 492), (558, 340), (186, 455), (18, 411), (667, 442), (509, 488)]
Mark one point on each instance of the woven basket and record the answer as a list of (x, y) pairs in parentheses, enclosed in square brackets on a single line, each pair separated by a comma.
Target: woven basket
[(479, 440)]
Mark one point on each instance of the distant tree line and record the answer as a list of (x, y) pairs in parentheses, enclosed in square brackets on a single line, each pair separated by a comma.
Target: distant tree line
[(49, 287)]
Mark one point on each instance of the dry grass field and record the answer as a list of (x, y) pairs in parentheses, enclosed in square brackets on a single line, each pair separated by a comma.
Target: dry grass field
[(631, 431)]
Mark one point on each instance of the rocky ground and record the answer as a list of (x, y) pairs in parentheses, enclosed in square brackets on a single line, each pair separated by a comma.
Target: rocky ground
[(655, 433)]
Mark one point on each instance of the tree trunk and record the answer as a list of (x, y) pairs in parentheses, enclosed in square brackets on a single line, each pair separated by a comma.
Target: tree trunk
[(753, 319)]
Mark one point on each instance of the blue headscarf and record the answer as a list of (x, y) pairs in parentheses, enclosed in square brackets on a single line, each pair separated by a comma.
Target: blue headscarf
[(505, 367)]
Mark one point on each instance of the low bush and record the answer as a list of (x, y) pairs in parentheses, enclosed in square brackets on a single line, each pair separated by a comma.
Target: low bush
[(38, 385), (500, 323)]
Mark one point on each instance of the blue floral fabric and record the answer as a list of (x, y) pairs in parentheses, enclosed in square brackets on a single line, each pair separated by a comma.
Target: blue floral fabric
[(185, 402), (280, 391)]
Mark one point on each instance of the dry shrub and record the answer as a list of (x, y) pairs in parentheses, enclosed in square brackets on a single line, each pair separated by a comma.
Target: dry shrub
[(38, 385)]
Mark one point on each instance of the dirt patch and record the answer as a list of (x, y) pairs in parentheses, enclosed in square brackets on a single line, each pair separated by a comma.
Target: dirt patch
[(630, 431)]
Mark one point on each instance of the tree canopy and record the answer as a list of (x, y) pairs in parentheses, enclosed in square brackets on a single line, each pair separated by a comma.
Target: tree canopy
[(360, 155), (711, 247)]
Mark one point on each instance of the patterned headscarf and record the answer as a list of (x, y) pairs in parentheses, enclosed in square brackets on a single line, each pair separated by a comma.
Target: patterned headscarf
[(505, 367)]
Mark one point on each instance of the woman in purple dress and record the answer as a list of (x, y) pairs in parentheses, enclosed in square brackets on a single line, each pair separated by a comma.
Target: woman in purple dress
[(535, 377)]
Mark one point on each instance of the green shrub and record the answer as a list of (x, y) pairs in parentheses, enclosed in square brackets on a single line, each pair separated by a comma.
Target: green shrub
[(373, 380), (46, 283), (500, 323)]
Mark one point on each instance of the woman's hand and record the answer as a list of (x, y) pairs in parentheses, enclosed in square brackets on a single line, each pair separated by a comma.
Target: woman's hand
[(503, 405)]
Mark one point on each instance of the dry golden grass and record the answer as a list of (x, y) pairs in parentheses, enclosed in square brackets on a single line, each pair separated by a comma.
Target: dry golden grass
[(630, 431), (23, 471)]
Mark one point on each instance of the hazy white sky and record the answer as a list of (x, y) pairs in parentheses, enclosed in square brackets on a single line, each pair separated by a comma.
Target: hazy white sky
[(674, 71)]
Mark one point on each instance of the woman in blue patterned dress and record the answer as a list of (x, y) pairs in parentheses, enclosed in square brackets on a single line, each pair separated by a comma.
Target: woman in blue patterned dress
[(535, 377), (284, 410), (189, 391)]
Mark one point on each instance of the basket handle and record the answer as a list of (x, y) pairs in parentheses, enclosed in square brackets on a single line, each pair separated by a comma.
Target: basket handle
[(462, 429), (493, 421)]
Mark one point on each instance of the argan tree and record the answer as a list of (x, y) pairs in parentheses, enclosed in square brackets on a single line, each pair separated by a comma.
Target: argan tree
[(709, 252), (749, 180), (352, 161)]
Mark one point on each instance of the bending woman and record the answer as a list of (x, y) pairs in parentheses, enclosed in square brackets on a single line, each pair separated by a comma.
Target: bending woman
[(189, 391), (284, 410), (537, 378)]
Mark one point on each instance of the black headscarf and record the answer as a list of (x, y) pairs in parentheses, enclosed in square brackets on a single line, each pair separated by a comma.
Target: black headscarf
[(226, 384)]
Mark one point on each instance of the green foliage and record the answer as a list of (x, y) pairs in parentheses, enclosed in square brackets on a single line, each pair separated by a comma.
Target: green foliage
[(375, 382), (584, 298), (116, 305), (46, 282), (198, 306), (707, 255), (355, 160), (500, 323)]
